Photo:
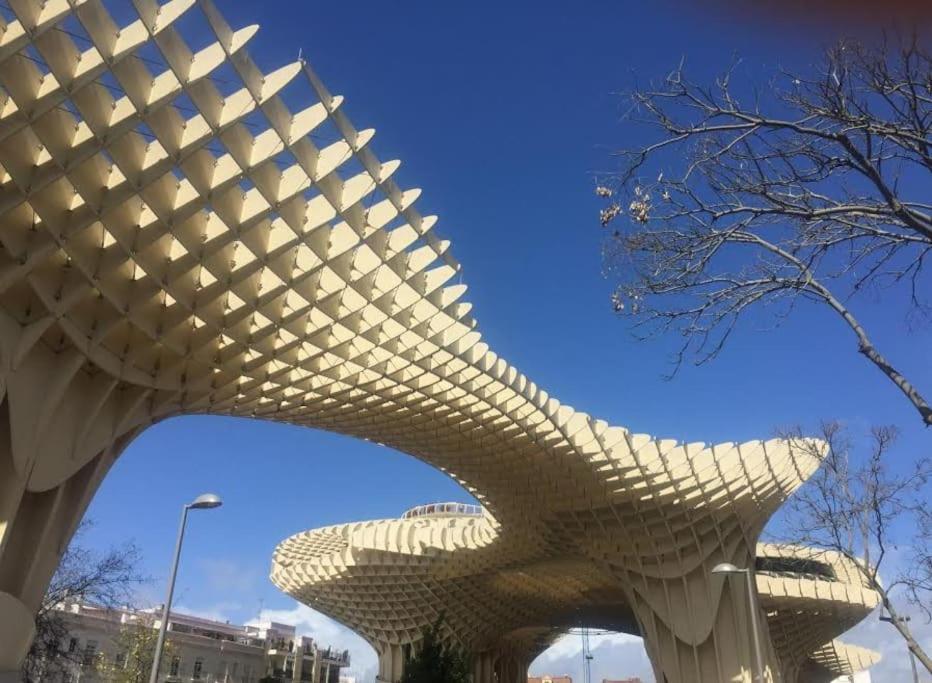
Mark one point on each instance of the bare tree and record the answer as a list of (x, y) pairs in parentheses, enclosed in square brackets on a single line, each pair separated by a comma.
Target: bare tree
[(856, 506), (106, 580), (815, 189), (135, 651)]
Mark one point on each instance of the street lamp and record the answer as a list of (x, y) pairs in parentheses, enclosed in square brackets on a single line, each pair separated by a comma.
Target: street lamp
[(725, 569), (205, 501), (912, 657)]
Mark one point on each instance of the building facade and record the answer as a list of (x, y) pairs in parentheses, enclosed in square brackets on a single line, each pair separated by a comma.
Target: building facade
[(199, 650)]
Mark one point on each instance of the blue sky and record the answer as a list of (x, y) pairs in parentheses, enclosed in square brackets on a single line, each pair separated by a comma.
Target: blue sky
[(501, 112)]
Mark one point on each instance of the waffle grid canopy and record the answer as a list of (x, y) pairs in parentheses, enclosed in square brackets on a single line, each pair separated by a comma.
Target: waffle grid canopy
[(388, 579), (182, 233)]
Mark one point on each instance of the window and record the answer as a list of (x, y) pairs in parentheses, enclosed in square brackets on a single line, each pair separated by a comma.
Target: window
[(795, 565), (90, 653), (121, 659), (175, 666), (73, 645), (198, 668)]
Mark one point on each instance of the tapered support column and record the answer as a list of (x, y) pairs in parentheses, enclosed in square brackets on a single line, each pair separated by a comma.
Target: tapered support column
[(16, 632), (511, 668), (391, 662), (35, 529), (62, 425), (697, 628), (484, 668)]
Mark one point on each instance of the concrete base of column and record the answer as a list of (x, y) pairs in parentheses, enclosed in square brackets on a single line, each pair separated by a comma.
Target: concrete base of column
[(391, 662), (17, 628)]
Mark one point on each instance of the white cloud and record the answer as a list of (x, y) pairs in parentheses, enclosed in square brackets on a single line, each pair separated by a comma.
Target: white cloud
[(571, 645), (614, 655)]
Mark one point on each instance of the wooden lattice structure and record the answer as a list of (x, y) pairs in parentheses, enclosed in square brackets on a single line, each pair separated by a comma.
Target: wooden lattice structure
[(389, 579), (185, 233)]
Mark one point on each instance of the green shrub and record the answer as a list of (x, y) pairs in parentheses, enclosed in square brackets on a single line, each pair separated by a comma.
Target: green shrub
[(435, 661)]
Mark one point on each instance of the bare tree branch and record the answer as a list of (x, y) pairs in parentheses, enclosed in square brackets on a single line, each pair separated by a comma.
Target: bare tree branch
[(854, 506), (106, 580), (816, 197)]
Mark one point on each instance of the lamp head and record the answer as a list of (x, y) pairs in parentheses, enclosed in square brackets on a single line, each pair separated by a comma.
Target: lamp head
[(727, 568), (205, 501)]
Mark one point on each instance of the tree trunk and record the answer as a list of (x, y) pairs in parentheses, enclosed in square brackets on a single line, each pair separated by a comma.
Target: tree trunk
[(868, 350)]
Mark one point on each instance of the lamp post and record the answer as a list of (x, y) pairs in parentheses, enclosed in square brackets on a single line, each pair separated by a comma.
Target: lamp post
[(726, 568), (912, 657), (204, 501)]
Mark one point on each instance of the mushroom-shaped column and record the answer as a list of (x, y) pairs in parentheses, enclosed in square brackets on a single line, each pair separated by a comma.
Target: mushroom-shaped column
[(392, 659), (62, 426), (672, 512)]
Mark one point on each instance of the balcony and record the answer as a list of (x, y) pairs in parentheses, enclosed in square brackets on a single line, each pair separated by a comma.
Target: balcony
[(281, 647), (335, 656)]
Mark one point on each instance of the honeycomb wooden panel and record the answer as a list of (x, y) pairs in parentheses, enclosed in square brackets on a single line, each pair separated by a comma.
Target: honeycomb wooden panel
[(183, 233), (389, 579)]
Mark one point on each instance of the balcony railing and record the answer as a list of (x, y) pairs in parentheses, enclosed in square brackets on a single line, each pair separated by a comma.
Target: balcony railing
[(458, 509), (337, 656)]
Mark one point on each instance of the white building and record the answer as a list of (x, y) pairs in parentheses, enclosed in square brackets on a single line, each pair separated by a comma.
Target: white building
[(859, 677), (204, 651)]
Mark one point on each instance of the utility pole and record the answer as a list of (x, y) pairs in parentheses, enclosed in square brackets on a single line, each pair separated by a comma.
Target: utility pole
[(587, 657), (912, 657)]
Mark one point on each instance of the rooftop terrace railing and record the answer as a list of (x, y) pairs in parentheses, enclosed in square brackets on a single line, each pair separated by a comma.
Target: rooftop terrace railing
[(459, 509)]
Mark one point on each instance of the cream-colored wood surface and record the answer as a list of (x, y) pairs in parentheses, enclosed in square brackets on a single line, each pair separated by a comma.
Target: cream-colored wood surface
[(389, 579), (183, 233)]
